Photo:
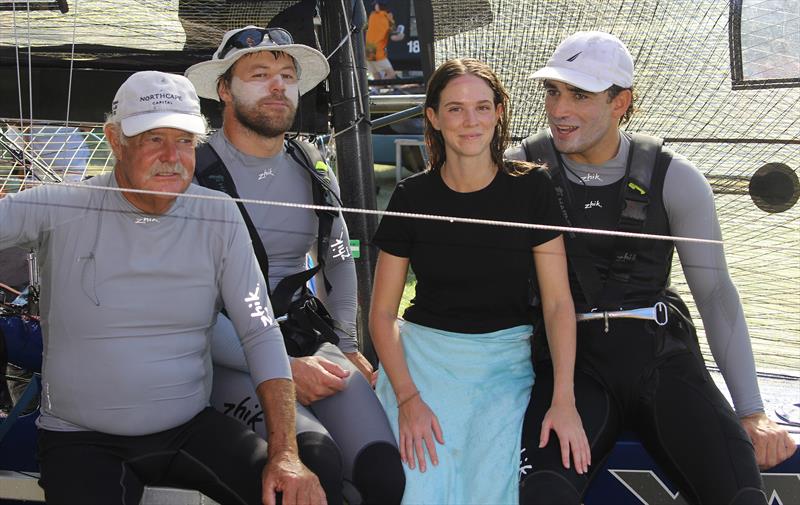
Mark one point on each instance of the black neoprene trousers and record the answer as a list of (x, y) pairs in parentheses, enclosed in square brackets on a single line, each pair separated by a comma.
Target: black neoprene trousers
[(647, 381), (212, 453)]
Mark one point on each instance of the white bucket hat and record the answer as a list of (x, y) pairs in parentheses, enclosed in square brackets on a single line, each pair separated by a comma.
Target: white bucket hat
[(150, 99), (312, 67), (591, 61)]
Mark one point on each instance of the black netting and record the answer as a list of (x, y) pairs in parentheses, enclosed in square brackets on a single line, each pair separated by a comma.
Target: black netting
[(684, 81)]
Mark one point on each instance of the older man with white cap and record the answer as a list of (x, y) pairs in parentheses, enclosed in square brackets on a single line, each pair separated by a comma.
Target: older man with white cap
[(638, 363), (343, 434), (134, 273)]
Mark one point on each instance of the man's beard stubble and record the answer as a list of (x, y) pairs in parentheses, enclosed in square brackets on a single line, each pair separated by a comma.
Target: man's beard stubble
[(267, 125)]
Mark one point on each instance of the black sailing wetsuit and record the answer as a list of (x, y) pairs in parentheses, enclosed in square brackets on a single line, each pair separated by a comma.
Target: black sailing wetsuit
[(642, 377)]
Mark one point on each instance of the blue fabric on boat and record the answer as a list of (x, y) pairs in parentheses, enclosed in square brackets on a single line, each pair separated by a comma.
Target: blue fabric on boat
[(23, 342), (478, 385)]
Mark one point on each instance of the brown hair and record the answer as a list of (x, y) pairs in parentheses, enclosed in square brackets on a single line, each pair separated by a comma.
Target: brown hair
[(448, 71), (615, 90)]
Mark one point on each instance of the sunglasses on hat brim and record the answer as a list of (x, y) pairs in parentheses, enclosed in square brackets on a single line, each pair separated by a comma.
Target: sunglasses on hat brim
[(252, 37)]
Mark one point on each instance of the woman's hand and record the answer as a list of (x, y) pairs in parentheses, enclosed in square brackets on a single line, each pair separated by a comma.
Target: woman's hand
[(563, 418), (418, 426), (364, 366)]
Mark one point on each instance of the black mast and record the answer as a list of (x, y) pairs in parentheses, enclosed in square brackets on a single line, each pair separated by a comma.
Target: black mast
[(349, 96)]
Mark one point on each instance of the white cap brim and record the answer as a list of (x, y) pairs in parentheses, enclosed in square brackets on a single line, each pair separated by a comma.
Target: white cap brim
[(312, 66), (575, 78), (134, 125)]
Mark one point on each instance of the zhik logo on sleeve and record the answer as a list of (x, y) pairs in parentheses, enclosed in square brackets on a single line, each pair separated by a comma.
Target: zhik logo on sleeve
[(253, 301)]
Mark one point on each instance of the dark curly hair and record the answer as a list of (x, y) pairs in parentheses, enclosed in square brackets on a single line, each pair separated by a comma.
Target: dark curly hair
[(615, 90)]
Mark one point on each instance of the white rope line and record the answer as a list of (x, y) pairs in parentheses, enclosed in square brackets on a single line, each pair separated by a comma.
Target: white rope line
[(412, 215)]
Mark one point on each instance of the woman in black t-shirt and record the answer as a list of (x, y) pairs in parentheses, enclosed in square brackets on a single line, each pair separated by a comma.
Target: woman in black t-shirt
[(458, 367)]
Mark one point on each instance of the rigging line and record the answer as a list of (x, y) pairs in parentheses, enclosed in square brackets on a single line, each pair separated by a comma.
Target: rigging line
[(71, 61), (341, 42), (352, 125), (16, 52), (30, 69), (26, 158), (359, 82), (9, 289), (412, 215)]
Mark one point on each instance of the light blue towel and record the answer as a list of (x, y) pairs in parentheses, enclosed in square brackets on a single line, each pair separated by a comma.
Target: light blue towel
[(478, 386)]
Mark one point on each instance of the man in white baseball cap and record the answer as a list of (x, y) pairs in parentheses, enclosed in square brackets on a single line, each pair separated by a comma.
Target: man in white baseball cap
[(161, 106), (592, 61), (342, 430), (638, 365), (134, 274)]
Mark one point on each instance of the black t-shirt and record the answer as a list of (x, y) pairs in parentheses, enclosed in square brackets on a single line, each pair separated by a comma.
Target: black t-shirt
[(471, 278)]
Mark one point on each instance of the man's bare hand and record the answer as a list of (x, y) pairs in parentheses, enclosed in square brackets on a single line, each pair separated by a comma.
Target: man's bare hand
[(772, 443), (284, 473), (316, 378), (364, 366)]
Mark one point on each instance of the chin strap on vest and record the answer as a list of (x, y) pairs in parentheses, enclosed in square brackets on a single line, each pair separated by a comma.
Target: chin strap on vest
[(211, 172)]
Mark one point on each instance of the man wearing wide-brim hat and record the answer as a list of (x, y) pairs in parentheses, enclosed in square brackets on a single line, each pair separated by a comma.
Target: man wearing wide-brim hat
[(342, 431)]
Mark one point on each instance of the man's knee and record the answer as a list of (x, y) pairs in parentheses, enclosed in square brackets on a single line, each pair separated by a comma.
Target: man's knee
[(322, 456), (749, 496), (548, 488), (378, 474)]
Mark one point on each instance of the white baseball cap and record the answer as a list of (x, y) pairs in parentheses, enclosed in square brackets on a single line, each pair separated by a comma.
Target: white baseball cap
[(312, 66), (150, 99), (591, 61)]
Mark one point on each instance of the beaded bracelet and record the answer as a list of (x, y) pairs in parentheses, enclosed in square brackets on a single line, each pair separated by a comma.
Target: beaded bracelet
[(407, 399)]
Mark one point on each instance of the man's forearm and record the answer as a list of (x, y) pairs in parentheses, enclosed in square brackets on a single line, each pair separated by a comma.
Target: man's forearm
[(277, 398)]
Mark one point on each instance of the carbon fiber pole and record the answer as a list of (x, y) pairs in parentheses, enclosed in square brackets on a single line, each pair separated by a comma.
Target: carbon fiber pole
[(350, 115)]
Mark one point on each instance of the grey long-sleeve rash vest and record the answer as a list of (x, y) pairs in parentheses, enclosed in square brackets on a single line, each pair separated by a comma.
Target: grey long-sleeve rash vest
[(289, 233), (128, 300)]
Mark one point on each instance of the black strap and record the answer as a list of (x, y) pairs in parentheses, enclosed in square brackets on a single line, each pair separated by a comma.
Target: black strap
[(211, 172), (539, 148), (644, 159), (309, 157)]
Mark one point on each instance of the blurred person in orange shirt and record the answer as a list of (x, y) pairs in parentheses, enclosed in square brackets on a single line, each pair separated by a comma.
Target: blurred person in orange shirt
[(380, 26)]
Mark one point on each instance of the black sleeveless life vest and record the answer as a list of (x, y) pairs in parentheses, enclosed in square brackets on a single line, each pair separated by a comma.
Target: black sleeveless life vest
[(609, 273)]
